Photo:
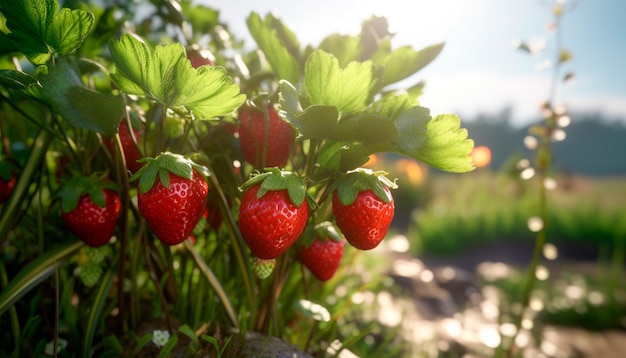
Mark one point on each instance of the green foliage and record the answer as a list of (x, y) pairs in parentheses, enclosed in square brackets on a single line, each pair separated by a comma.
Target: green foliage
[(39, 30), (64, 132), (165, 75)]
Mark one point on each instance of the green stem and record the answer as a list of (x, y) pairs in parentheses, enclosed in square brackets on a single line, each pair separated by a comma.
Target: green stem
[(11, 208), (14, 321)]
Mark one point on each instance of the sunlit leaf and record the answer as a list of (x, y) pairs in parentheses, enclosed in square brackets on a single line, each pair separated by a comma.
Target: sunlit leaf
[(404, 61), (328, 84), (39, 29), (438, 141), (276, 51), (317, 122), (345, 48), (165, 75), (366, 128)]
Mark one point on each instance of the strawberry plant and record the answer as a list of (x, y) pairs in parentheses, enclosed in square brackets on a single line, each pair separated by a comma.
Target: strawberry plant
[(270, 140)]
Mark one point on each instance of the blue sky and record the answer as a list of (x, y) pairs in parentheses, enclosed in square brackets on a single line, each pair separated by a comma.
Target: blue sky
[(479, 71)]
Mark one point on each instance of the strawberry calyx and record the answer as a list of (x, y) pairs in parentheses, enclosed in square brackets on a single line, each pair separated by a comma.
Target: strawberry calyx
[(351, 183), (74, 188), (161, 166), (275, 179)]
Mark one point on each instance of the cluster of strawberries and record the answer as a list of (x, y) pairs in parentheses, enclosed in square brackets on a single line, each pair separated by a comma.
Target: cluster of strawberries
[(274, 209)]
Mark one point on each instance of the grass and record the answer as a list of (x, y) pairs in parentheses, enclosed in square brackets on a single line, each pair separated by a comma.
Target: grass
[(479, 208)]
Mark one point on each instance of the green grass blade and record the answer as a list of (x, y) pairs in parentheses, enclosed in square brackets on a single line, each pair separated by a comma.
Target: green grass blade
[(34, 273), (214, 282), (96, 310)]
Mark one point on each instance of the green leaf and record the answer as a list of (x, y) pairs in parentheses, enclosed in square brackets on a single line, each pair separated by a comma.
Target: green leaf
[(345, 48), (143, 341), (187, 331), (33, 273), (404, 61), (391, 105), (82, 107), (328, 84), (164, 74), (368, 128), (289, 101), (439, 142), (16, 80), (317, 122), (39, 30), (266, 35), (95, 319)]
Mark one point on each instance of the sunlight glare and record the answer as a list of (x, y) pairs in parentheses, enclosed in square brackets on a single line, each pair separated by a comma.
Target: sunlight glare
[(531, 142), (542, 273), (398, 243), (535, 224), (407, 268), (490, 337), (527, 173), (550, 251)]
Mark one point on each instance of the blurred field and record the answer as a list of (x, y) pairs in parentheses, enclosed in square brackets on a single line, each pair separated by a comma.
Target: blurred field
[(483, 207)]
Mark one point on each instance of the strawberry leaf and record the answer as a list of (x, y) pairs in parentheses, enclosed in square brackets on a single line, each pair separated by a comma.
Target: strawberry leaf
[(289, 101), (266, 34), (346, 48), (317, 122), (439, 141), (39, 30), (165, 75), (404, 61), (82, 107), (367, 128), (347, 88)]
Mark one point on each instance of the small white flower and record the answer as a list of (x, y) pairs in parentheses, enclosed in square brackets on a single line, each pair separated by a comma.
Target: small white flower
[(61, 344), (160, 338)]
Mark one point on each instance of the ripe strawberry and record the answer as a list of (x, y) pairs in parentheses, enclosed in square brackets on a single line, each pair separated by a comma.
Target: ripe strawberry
[(131, 151), (322, 257), (271, 217), (173, 204), (264, 143), (363, 207), (6, 186), (89, 208)]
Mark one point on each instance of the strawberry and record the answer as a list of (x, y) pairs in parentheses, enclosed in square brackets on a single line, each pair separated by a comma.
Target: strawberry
[(6, 186), (363, 207), (173, 204), (271, 217), (7, 180), (264, 143), (129, 146), (90, 208), (322, 257), (199, 57)]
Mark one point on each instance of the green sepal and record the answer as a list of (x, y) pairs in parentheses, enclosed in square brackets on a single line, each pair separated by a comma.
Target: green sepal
[(275, 179), (161, 166), (350, 184), (74, 188)]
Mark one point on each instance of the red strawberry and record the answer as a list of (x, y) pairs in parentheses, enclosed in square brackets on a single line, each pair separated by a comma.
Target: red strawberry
[(6, 186), (274, 138), (322, 258), (89, 208), (173, 204), (270, 217), (199, 57), (363, 207), (131, 152), (213, 217)]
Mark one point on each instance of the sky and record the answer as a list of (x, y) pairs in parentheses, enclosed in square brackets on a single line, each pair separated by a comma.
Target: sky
[(479, 70)]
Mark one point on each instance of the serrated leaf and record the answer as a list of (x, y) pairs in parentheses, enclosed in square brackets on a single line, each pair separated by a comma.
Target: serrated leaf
[(346, 48), (404, 61), (368, 128), (328, 84), (39, 30), (317, 122), (444, 145), (289, 101), (16, 80), (412, 126), (391, 105), (164, 74), (276, 51), (82, 107)]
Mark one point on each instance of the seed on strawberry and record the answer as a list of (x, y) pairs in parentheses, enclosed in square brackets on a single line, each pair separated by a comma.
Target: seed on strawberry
[(271, 217), (363, 207), (266, 140), (322, 257), (89, 208), (173, 204)]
